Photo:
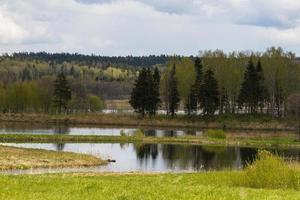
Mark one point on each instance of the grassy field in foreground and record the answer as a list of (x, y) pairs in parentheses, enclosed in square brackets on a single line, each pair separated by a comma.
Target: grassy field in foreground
[(18, 158), (202, 186), (229, 141)]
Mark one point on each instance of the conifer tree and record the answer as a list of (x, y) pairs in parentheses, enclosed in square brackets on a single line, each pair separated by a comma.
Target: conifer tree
[(195, 91), (62, 93), (156, 87), (198, 81), (137, 100), (248, 93), (149, 98), (262, 92), (209, 99), (173, 93), (145, 94)]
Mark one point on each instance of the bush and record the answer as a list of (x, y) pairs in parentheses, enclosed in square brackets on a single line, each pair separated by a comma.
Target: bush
[(95, 103), (138, 133), (268, 171), (122, 132), (220, 134)]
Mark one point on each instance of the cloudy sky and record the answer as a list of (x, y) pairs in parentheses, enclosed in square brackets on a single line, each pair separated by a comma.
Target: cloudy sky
[(142, 27)]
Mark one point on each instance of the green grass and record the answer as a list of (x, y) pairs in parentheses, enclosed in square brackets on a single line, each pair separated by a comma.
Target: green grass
[(269, 171), (254, 122), (229, 141), (202, 186), (211, 133), (19, 158)]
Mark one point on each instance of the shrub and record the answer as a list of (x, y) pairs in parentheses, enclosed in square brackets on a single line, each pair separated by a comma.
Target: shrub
[(138, 133), (122, 132), (220, 134), (268, 171)]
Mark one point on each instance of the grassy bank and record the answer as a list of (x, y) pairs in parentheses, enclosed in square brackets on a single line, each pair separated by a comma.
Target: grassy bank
[(229, 122), (268, 177), (204, 186), (18, 158), (228, 141)]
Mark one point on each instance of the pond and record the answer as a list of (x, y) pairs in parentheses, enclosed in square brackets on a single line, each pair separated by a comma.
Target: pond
[(160, 157)]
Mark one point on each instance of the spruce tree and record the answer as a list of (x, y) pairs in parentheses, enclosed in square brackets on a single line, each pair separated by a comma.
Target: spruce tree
[(138, 96), (209, 100), (62, 93), (156, 94), (198, 81), (149, 98), (145, 94), (173, 93), (195, 91), (248, 93), (262, 92)]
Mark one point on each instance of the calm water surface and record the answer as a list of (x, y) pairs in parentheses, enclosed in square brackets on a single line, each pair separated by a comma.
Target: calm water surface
[(22, 128), (163, 157)]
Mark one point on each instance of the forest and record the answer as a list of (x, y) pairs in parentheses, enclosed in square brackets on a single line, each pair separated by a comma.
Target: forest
[(213, 82), (216, 82)]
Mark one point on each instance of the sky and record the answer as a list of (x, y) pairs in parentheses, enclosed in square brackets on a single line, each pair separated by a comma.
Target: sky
[(143, 27)]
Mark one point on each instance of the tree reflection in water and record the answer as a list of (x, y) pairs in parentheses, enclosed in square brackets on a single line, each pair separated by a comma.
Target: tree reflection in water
[(194, 157)]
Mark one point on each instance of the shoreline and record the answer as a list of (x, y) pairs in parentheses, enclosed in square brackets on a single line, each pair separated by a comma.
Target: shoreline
[(133, 120), (16, 158), (278, 142)]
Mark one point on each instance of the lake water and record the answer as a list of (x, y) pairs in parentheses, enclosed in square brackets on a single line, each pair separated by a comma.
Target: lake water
[(159, 157), (34, 128), (145, 157)]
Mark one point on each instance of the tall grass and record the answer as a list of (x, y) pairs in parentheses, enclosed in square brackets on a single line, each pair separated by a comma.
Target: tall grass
[(269, 171), (218, 134), (139, 133)]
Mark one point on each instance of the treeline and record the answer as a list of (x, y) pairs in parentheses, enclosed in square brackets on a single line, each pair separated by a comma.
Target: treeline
[(52, 95), (110, 82), (217, 83), (92, 60)]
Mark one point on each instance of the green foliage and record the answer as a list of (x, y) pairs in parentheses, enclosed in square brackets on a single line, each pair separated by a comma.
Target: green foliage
[(153, 186), (173, 97), (209, 99), (214, 133), (62, 93), (122, 132), (95, 103), (145, 94), (185, 76), (138, 133), (191, 104), (253, 91), (269, 171)]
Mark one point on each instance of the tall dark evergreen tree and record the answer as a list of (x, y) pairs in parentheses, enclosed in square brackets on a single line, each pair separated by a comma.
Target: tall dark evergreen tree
[(195, 91), (145, 94), (262, 92), (248, 93), (62, 93), (173, 98), (156, 95), (150, 98), (209, 100), (138, 96)]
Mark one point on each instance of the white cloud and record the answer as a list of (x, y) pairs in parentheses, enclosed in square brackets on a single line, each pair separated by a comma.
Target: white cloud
[(122, 27), (10, 32)]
